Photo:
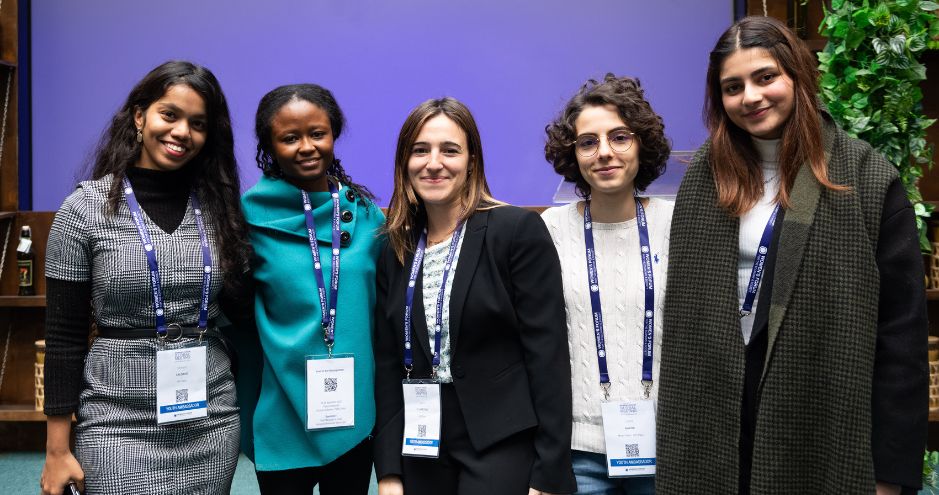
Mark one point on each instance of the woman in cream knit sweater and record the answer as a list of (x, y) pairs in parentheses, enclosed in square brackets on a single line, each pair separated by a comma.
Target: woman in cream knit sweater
[(613, 248)]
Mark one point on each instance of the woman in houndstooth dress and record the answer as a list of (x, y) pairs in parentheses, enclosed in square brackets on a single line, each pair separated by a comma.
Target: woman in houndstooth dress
[(171, 139)]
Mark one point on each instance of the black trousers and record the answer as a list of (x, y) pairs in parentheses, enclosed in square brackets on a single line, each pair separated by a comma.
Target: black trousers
[(350, 474), (502, 469)]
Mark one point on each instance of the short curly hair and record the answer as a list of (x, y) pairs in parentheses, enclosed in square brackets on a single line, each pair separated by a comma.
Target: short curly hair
[(624, 93)]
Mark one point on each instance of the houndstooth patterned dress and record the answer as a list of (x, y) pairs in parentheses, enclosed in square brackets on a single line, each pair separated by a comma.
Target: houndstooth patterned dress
[(118, 443)]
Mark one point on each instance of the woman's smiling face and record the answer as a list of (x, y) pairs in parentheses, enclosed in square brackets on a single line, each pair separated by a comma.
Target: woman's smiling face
[(757, 94), (302, 139), (173, 129)]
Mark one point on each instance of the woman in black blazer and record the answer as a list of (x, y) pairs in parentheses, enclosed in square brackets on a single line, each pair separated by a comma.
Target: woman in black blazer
[(501, 366)]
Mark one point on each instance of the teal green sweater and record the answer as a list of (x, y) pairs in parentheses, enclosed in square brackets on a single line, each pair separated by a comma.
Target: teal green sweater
[(288, 319)]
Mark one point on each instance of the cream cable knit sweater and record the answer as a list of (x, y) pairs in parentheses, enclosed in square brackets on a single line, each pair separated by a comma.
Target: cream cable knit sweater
[(623, 301)]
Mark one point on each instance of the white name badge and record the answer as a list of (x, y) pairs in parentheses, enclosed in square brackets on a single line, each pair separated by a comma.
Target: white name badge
[(421, 418), (330, 392), (181, 384), (629, 432)]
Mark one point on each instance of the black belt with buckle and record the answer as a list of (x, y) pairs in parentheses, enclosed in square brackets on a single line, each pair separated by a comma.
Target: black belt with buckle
[(174, 332)]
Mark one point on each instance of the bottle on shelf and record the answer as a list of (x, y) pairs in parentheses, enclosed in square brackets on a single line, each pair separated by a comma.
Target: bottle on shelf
[(24, 262)]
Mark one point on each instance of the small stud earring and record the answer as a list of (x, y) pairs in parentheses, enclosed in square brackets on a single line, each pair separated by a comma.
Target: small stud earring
[(139, 135)]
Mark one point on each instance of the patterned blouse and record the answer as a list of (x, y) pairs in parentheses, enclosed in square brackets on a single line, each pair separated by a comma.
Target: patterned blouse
[(435, 258)]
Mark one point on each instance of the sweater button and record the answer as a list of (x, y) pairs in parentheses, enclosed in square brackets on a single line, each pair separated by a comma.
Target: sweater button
[(345, 237), (458, 372), (350, 195), (346, 216)]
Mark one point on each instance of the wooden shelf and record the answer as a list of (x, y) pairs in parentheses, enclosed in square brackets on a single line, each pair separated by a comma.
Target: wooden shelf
[(934, 417), (26, 301), (20, 412), (932, 294)]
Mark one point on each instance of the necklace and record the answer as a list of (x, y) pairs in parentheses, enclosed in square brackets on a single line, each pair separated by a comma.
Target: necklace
[(438, 241), (449, 232), (446, 235)]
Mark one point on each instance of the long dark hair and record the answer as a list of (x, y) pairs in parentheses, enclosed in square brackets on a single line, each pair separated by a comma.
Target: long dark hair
[(317, 95), (213, 172), (406, 210), (733, 158)]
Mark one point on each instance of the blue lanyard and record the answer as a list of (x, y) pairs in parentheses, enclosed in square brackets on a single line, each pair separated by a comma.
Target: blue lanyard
[(149, 251), (327, 314), (412, 281), (648, 333), (759, 261)]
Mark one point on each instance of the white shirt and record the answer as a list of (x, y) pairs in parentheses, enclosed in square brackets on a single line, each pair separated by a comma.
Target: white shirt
[(752, 224)]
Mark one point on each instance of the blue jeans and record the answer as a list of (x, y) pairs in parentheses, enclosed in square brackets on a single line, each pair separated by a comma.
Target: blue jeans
[(590, 471)]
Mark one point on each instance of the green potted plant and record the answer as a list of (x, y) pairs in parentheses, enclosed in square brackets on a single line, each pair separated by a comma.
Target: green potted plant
[(930, 474), (870, 82)]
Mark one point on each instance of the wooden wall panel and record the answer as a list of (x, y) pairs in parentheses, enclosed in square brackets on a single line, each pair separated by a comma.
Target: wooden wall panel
[(9, 164), (9, 34)]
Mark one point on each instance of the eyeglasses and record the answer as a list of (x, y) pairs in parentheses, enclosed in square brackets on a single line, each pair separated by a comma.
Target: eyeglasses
[(588, 144)]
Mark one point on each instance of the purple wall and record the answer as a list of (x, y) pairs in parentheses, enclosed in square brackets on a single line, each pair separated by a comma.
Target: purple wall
[(514, 63)]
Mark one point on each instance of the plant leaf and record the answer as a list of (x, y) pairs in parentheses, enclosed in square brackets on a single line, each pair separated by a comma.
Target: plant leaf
[(897, 44), (870, 82), (829, 81)]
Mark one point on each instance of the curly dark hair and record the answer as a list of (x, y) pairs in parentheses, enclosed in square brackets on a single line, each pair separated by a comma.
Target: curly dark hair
[(213, 172), (272, 102), (624, 93)]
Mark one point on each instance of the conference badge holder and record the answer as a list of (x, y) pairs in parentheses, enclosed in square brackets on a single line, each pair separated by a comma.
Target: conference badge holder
[(422, 418), (181, 383), (629, 433), (330, 391)]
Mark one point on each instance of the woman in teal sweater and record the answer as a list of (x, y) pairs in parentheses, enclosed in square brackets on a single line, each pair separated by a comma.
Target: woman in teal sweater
[(316, 407)]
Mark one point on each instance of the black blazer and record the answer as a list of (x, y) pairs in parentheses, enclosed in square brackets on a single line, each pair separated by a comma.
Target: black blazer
[(508, 344)]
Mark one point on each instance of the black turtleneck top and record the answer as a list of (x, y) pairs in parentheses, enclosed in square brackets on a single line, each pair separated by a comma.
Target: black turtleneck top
[(162, 194)]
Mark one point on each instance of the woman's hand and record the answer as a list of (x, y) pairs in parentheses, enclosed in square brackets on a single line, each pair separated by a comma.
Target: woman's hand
[(61, 466), (59, 469), (390, 485), (887, 489), (532, 491)]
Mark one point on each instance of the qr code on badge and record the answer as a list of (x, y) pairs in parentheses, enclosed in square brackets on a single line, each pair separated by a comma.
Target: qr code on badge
[(182, 395), (420, 391), (330, 384), (422, 431), (632, 450)]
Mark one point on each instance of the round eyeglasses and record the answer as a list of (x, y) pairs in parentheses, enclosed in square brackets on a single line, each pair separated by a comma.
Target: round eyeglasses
[(588, 144)]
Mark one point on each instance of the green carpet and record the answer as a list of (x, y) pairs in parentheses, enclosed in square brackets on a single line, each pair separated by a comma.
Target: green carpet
[(19, 472)]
